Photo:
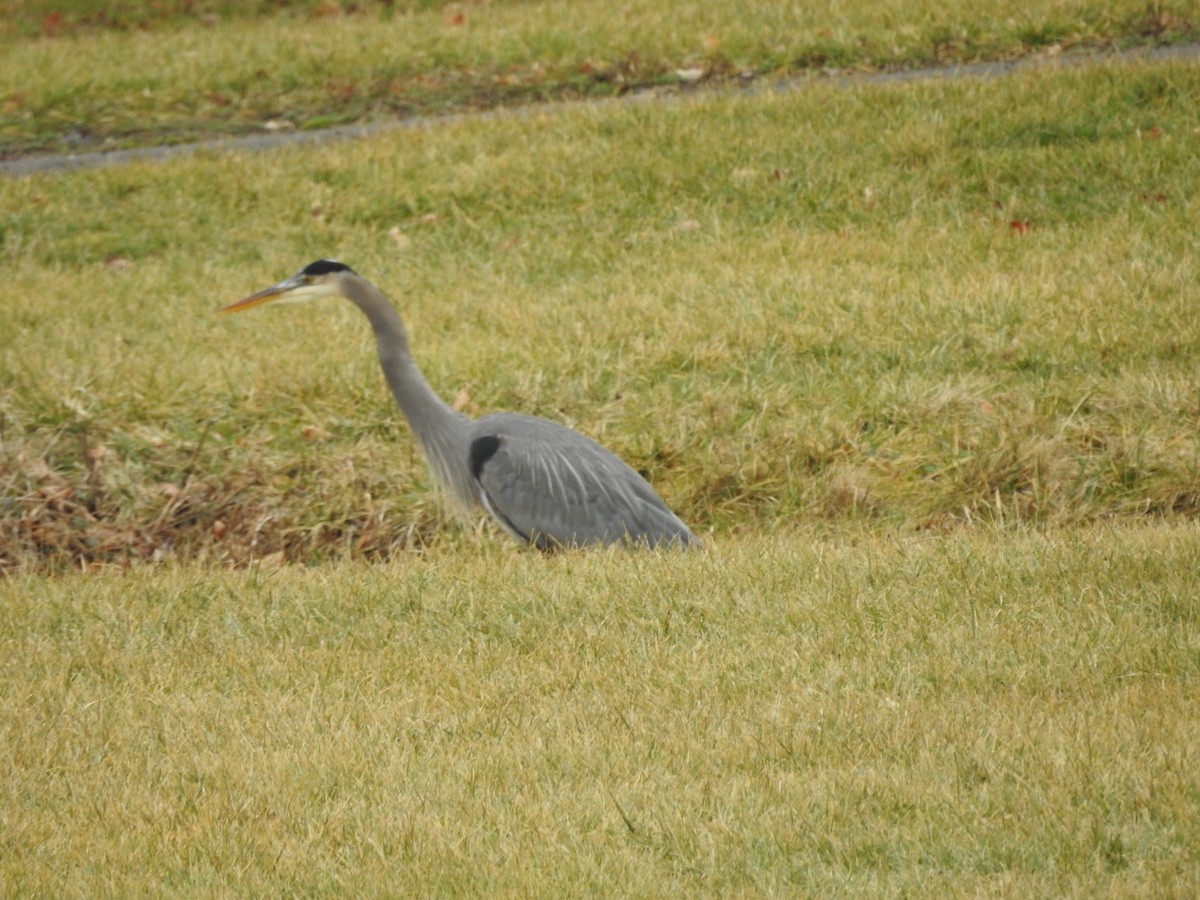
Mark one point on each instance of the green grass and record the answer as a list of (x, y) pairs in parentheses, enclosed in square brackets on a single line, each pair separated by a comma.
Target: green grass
[(919, 362), (200, 72), (993, 712), (915, 306)]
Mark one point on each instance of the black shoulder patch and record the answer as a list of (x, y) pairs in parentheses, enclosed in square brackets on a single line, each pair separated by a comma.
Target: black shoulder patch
[(324, 267), (483, 449)]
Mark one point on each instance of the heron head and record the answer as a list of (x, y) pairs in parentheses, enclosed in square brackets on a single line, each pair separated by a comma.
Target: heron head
[(317, 279)]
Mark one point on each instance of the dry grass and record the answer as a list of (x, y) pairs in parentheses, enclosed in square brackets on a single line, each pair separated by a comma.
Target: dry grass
[(920, 361), (197, 74), (993, 712), (916, 306)]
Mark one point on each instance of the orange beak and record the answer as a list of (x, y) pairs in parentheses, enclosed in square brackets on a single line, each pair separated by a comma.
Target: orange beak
[(272, 293)]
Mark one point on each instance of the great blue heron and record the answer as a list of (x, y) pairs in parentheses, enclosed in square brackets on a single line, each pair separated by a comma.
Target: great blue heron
[(545, 484)]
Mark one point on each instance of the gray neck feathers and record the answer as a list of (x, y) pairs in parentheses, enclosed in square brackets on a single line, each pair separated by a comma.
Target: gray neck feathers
[(442, 431)]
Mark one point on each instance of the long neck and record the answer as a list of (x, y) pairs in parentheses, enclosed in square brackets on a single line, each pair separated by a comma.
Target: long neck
[(441, 430)]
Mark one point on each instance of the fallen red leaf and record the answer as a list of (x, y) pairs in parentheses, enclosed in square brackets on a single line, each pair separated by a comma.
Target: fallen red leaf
[(315, 433)]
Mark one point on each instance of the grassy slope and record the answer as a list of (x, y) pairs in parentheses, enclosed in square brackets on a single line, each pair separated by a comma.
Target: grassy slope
[(181, 79), (992, 712), (916, 305)]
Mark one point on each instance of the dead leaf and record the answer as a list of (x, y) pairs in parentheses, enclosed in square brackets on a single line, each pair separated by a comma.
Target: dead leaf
[(52, 24), (314, 433), (274, 560), (38, 469), (399, 238)]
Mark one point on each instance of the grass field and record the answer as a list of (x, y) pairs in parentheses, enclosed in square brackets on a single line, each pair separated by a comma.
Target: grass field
[(994, 712), (913, 306), (182, 71), (920, 362)]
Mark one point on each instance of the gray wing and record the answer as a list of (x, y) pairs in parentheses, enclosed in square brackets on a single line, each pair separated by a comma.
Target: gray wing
[(553, 487)]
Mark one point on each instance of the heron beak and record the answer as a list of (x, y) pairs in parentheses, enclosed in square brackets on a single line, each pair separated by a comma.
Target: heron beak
[(272, 293)]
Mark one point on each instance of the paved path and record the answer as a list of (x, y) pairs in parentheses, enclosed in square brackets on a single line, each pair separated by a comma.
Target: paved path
[(30, 165)]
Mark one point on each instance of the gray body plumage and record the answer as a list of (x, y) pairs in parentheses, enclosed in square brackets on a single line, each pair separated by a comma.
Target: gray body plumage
[(544, 483), (548, 485)]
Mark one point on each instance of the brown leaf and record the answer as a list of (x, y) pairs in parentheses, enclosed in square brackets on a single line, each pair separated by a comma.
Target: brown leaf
[(315, 433), (52, 24), (274, 560)]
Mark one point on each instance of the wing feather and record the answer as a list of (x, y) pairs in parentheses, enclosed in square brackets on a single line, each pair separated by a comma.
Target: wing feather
[(551, 486)]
